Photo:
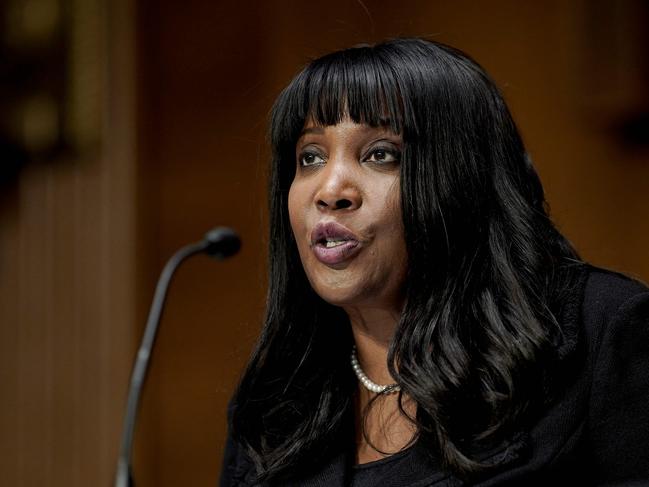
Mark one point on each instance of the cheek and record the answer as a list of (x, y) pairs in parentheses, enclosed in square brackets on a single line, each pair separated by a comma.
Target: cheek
[(394, 243), (292, 204), (390, 214), (296, 210)]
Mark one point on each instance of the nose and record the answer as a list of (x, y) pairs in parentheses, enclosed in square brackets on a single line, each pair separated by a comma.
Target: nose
[(339, 187)]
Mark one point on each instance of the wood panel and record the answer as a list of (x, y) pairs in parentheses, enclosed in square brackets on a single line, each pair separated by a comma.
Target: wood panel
[(67, 292)]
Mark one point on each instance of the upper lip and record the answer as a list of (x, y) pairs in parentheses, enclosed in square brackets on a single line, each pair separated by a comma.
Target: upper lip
[(331, 230)]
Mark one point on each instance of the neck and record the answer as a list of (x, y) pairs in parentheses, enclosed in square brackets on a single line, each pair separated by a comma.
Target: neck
[(373, 329), (382, 422)]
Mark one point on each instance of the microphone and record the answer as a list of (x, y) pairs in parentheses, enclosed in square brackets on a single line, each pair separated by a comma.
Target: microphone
[(220, 243)]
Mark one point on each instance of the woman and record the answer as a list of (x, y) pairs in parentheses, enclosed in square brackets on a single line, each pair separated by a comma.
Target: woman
[(426, 323)]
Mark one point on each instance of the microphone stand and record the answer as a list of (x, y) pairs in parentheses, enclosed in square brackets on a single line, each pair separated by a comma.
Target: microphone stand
[(219, 243)]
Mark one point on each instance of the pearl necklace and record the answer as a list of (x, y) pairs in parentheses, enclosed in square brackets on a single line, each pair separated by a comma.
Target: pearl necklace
[(365, 380)]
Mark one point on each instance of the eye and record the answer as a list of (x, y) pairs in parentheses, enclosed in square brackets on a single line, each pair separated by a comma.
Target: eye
[(383, 155), (309, 158)]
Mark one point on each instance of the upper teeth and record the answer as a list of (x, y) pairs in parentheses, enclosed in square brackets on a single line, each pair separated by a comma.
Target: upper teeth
[(333, 243)]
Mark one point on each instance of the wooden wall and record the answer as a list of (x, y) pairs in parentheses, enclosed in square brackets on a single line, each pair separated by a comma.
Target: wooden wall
[(68, 288), (81, 244)]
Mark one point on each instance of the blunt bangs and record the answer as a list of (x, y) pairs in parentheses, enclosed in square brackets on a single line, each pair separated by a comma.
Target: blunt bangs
[(359, 83)]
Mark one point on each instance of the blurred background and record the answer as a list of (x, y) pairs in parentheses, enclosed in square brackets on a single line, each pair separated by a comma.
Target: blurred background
[(128, 128)]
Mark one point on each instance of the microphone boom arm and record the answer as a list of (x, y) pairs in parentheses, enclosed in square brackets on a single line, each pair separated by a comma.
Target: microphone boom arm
[(219, 243)]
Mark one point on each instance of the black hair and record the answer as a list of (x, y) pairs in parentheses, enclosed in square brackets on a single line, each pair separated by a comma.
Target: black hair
[(487, 269)]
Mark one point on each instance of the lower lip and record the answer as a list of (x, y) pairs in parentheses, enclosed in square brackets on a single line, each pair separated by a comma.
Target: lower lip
[(338, 254)]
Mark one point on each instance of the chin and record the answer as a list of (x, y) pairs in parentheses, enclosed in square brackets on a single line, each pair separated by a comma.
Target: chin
[(351, 294), (337, 296)]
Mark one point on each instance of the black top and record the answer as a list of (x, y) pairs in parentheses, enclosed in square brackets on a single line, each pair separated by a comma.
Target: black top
[(403, 468), (596, 433)]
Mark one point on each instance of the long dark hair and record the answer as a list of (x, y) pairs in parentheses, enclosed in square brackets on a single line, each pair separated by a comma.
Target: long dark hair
[(487, 269)]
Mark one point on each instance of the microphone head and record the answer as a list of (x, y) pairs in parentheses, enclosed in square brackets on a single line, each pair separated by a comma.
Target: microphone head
[(222, 242)]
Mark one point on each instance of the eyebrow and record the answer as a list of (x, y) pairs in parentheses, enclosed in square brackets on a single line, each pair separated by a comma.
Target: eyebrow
[(316, 129)]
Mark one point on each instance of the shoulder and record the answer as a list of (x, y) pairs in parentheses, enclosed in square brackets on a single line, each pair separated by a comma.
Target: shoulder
[(606, 291), (613, 305), (615, 314)]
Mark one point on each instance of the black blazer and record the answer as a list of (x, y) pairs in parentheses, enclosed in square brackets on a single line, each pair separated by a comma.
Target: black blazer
[(596, 433)]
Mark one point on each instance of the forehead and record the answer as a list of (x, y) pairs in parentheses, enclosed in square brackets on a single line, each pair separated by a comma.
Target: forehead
[(312, 126), (345, 131)]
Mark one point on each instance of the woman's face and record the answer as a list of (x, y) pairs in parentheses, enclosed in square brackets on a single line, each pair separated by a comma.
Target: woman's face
[(344, 207)]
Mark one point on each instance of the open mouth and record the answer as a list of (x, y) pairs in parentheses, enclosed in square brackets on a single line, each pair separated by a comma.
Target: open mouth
[(333, 243)]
